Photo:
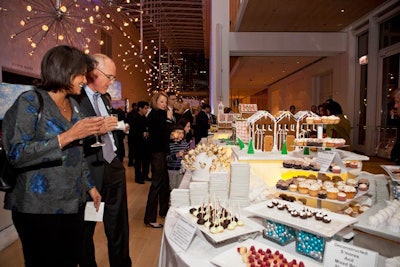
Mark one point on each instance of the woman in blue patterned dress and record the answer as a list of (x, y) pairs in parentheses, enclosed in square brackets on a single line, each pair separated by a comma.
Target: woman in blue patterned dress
[(53, 178)]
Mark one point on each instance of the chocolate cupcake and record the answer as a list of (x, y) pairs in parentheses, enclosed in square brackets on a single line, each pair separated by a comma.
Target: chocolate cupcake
[(322, 194)]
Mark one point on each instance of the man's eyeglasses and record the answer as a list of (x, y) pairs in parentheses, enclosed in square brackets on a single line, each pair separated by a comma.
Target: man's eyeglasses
[(108, 76)]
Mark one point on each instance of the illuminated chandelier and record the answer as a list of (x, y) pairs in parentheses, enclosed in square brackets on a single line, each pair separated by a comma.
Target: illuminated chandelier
[(62, 23)]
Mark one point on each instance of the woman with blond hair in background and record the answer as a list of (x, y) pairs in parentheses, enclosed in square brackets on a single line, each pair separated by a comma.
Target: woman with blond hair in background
[(159, 132)]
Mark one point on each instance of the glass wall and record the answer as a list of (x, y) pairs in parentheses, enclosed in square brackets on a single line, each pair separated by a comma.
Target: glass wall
[(362, 113)]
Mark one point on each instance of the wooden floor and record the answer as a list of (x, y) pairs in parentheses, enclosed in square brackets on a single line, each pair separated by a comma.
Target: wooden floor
[(144, 242)]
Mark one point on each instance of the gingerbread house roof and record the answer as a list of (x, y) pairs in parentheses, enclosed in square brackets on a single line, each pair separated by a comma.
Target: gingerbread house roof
[(287, 115), (259, 115), (304, 114)]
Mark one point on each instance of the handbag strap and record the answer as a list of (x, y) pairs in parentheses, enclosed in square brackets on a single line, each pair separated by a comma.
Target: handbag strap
[(40, 104)]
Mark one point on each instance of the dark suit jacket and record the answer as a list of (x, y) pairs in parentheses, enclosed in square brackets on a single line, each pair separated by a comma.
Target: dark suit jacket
[(188, 115), (202, 126), (94, 155)]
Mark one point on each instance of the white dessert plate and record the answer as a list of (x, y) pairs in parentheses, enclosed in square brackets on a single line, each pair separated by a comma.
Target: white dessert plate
[(232, 258), (381, 230), (248, 228), (393, 171), (311, 225)]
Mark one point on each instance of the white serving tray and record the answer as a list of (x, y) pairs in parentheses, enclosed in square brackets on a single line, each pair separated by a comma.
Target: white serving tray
[(310, 225), (248, 228), (389, 169), (231, 258), (382, 230)]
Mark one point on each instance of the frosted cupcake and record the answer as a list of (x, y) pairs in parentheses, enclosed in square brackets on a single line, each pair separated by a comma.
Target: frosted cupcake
[(313, 189), (350, 191), (341, 196), (332, 193), (303, 187)]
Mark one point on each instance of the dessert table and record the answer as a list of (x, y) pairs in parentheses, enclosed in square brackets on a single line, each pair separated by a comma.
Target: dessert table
[(201, 252)]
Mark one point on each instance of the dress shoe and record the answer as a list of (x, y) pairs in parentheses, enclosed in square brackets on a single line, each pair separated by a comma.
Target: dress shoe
[(154, 225), (139, 181)]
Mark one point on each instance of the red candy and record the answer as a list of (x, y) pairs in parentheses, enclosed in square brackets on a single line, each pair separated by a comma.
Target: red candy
[(265, 258)]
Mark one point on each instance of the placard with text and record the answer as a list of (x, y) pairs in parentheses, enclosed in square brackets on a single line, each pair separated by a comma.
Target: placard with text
[(183, 233), (339, 254)]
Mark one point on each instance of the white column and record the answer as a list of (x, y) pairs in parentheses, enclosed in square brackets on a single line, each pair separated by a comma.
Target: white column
[(219, 54)]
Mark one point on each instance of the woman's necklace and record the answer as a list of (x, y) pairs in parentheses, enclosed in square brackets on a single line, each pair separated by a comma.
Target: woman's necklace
[(64, 107)]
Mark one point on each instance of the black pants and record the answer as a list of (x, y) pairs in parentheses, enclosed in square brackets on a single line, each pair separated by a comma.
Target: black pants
[(142, 161), (159, 189), (131, 150), (115, 219), (50, 240)]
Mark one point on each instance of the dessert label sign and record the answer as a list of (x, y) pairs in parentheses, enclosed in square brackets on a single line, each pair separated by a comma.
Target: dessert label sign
[(326, 158), (183, 233), (346, 255)]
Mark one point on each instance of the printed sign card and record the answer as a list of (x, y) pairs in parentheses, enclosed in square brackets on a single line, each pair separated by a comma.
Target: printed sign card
[(340, 254), (183, 233)]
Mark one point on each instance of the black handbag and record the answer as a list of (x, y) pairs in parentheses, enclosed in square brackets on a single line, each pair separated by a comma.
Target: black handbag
[(7, 172)]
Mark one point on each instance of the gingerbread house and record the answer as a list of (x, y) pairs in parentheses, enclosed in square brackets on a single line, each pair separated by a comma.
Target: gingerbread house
[(305, 129), (262, 130), (246, 110), (286, 129)]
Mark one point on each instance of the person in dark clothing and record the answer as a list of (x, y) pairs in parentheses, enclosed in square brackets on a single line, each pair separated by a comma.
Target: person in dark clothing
[(107, 170), (395, 153), (48, 201), (131, 151), (140, 135), (159, 128), (203, 121)]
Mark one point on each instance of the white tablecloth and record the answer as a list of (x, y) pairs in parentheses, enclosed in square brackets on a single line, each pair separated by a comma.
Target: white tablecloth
[(200, 251)]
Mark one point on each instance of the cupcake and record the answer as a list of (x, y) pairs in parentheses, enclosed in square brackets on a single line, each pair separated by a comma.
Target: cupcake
[(350, 191), (315, 166), (328, 184), (335, 119), (332, 193), (293, 187), (362, 187), (351, 182), (341, 196), (313, 190), (306, 166), (288, 163), (284, 185), (303, 187), (322, 194), (363, 181), (297, 164), (336, 169), (325, 119)]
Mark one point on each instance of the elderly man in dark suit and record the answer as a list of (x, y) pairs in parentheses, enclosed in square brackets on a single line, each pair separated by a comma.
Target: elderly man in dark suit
[(107, 170)]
